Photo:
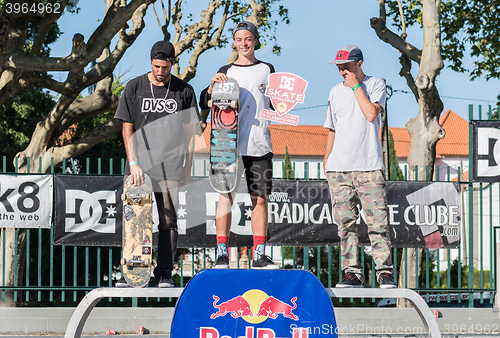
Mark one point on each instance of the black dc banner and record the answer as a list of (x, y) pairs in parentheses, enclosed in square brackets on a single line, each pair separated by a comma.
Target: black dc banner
[(421, 214), (88, 210), (485, 160)]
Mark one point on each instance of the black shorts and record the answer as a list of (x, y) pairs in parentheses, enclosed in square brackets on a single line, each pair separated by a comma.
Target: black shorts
[(259, 174)]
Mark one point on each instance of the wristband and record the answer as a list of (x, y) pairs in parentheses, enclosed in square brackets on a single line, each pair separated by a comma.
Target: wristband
[(356, 87), (133, 163)]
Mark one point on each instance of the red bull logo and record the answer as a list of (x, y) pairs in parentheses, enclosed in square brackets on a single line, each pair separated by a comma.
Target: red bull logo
[(255, 306), (251, 332), (237, 307)]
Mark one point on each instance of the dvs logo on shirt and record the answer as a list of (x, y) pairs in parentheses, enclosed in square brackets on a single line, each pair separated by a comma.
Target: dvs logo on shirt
[(159, 106)]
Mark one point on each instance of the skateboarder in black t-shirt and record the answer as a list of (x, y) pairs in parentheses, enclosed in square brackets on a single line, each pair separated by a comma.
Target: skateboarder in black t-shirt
[(159, 114)]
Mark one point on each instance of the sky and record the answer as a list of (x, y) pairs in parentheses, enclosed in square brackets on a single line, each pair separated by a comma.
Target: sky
[(318, 29)]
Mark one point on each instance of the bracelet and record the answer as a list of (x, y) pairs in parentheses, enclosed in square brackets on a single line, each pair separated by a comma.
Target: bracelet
[(356, 87), (133, 163)]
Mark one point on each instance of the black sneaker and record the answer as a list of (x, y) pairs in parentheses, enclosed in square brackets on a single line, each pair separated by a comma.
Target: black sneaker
[(265, 263), (349, 280), (386, 281), (165, 282), (222, 262), (121, 283)]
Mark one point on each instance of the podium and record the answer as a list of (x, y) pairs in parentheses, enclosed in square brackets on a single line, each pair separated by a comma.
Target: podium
[(225, 303)]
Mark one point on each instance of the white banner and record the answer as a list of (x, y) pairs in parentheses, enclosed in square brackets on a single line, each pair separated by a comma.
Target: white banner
[(26, 201)]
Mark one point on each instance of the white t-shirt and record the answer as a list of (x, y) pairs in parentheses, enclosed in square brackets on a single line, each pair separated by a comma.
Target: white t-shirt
[(357, 144), (254, 135)]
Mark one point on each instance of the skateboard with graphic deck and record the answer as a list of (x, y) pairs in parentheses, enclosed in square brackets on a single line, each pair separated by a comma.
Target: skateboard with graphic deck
[(223, 166), (137, 232)]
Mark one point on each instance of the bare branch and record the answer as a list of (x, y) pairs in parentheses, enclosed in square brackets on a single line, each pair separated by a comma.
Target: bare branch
[(101, 38), (256, 10), (100, 101), (403, 24), (176, 20), (206, 40), (381, 8), (394, 40), (156, 16), (385, 34), (406, 73), (99, 134), (40, 38)]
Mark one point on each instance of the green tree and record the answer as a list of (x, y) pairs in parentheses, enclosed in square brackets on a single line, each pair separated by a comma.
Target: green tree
[(18, 118), (451, 30), (393, 162), (287, 166)]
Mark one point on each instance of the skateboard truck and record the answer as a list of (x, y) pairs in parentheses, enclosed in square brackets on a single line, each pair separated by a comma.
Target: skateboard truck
[(136, 260), (222, 166), (136, 198), (223, 104)]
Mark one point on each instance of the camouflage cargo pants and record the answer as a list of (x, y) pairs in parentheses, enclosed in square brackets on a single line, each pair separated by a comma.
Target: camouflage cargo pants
[(369, 187)]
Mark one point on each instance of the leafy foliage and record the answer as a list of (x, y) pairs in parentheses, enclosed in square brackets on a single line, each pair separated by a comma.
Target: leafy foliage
[(18, 119), (467, 27)]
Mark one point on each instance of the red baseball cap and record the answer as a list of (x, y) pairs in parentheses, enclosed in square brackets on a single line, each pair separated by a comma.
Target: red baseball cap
[(348, 53)]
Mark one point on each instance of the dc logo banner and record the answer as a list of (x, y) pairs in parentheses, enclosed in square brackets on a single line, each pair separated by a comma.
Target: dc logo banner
[(486, 151), (88, 210)]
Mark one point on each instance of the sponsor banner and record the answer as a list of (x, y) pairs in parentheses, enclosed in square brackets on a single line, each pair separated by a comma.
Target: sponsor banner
[(285, 90), (89, 210), (486, 151), (420, 214), (262, 304), (26, 201)]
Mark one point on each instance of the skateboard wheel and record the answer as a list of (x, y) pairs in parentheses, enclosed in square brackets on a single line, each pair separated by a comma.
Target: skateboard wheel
[(146, 261), (210, 103), (209, 167), (124, 197), (148, 197), (231, 168), (123, 261), (234, 104)]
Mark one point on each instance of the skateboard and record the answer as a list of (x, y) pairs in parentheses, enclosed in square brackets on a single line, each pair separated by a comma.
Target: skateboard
[(137, 232), (223, 166)]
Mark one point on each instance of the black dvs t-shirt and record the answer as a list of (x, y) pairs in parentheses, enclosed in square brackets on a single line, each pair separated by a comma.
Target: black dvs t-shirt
[(160, 122)]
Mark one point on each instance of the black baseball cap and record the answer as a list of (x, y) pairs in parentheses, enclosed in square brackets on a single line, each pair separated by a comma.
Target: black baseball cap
[(347, 54), (248, 26), (163, 50)]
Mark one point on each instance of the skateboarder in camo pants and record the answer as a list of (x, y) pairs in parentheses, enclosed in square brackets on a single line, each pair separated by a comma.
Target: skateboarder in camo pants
[(353, 166)]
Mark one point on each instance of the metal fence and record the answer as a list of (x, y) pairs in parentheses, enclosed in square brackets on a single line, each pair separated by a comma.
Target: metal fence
[(62, 275)]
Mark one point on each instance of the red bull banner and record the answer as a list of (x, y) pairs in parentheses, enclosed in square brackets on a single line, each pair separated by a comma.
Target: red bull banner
[(254, 304), (285, 90)]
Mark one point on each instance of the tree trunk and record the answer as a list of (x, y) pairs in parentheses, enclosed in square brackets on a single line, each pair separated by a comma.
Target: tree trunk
[(17, 75), (424, 130)]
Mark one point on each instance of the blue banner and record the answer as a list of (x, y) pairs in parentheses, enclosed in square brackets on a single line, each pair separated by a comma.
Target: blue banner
[(220, 303)]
